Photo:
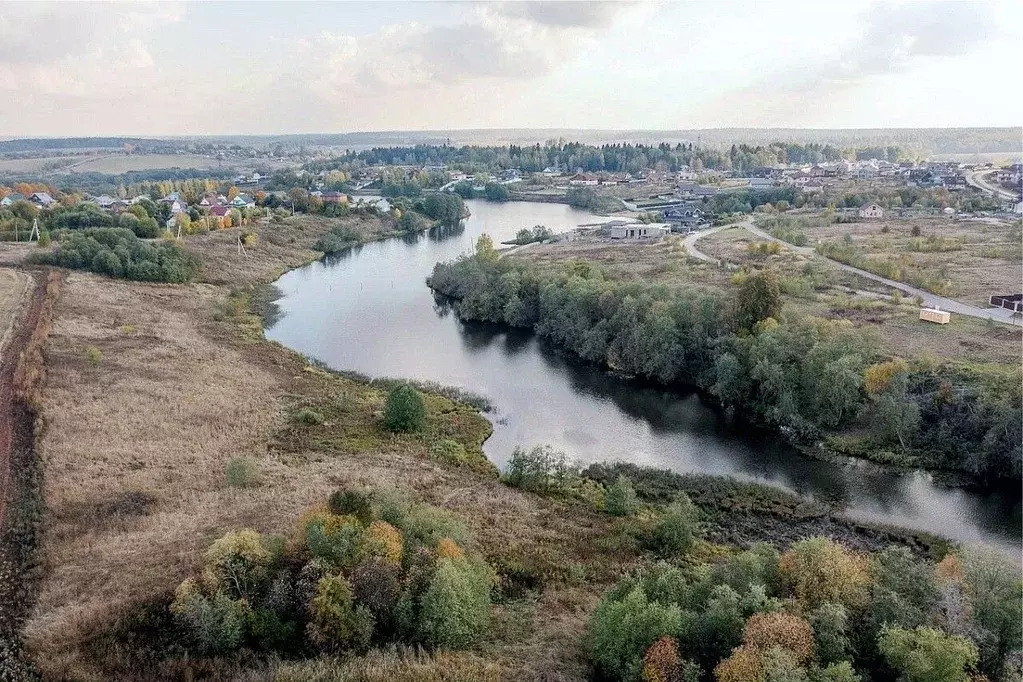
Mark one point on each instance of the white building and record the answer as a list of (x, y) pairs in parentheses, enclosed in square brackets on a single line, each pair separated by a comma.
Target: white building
[(640, 230)]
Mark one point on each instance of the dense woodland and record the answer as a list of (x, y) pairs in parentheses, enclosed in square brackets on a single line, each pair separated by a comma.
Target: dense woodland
[(573, 155), (808, 377)]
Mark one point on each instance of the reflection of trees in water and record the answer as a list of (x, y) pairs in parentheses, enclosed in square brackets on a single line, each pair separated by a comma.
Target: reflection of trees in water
[(442, 232), (341, 256)]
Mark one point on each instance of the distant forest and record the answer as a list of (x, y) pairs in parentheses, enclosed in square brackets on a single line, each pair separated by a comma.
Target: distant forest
[(917, 142)]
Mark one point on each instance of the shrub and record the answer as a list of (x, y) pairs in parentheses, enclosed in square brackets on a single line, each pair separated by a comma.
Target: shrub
[(662, 663), (448, 450), (351, 503), (376, 584), (456, 605), (339, 540), (718, 629), (792, 633), (406, 409), (541, 470), (386, 541), (427, 526), (449, 549), (308, 416), (678, 528), (621, 498), (216, 624), (238, 564), (837, 672), (45, 240), (820, 570), (336, 623), (93, 355), (242, 472), (621, 631), (757, 566), (927, 655)]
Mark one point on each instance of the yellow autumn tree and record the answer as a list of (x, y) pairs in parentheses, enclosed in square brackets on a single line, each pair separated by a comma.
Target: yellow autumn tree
[(878, 377), (792, 633)]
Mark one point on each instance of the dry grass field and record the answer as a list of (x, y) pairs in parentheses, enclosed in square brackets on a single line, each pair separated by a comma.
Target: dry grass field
[(969, 259), (152, 389)]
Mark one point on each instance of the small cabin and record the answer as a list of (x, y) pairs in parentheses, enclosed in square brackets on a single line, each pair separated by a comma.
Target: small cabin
[(871, 211), (935, 315)]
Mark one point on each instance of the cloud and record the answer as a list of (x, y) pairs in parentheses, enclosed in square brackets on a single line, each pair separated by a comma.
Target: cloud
[(893, 39), (565, 14), (76, 49)]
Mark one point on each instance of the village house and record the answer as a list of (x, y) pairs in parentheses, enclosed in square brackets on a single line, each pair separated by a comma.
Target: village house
[(334, 198), (761, 183), (243, 201), (685, 216), (871, 211), (42, 199), (640, 231), (10, 199), (583, 179)]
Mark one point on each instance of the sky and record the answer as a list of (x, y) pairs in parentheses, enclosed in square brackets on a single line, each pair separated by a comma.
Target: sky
[(209, 68)]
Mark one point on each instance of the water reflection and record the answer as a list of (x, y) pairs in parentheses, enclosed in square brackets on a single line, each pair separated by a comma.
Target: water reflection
[(367, 309)]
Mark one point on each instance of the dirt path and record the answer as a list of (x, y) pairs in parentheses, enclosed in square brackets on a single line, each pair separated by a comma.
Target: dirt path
[(22, 326), (690, 241), (930, 300)]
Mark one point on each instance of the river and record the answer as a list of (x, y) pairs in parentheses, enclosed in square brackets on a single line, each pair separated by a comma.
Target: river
[(369, 310)]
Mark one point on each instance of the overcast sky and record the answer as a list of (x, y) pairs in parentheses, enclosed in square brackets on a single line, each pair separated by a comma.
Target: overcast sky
[(219, 68)]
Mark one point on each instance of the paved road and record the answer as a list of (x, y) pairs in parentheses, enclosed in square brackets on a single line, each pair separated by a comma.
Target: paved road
[(930, 300), (980, 180)]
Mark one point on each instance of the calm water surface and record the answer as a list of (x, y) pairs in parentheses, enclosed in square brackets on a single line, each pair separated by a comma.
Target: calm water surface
[(369, 310)]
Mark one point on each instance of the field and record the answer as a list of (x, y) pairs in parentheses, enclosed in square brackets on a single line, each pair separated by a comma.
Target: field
[(968, 260), (810, 286)]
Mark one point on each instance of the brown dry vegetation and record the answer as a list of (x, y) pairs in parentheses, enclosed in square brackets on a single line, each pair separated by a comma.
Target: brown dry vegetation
[(136, 443), (13, 287)]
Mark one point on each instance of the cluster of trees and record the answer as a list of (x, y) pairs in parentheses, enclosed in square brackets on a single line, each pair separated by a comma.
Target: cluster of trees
[(817, 613), (538, 233), (118, 252), (621, 157), (492, 191), (365, 569), (805, 376)]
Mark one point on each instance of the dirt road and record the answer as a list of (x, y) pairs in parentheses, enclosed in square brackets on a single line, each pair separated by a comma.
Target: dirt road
[(930, 300), (981, 181)]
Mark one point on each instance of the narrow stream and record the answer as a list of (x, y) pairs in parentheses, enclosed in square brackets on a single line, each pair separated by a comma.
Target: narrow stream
[(369, 310)]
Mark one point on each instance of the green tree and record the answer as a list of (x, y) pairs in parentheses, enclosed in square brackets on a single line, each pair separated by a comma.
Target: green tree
[(406, 409), (485, 250), (496, 191), (677, 530), (758, 298), (456, 606), (621, 631), (927, 655), (620, 499)]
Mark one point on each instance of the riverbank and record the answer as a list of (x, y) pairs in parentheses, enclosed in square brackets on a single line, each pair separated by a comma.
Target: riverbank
[(827, 382), (152, 390)]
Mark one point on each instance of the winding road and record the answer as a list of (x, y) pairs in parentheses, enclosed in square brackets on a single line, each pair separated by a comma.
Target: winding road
[(930, 300), (980, 180)]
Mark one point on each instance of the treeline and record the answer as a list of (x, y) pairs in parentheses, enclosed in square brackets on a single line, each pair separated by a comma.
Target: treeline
[(808, 377), (572, 155), (117, 252)]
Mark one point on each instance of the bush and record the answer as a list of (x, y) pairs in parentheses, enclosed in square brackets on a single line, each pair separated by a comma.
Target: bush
[(662, 663), (447, 450), (541, 470), (376, 584), (426, 526), (216, 624), (820, 570), (406, 409), (336, 623), (792, 633), (621, 498), (829, 624), (242, 472), (93, 355), (341, 541), (456, 605), (238, 564), (621, 632), (351, 503), (678, 528), (308, 416)]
